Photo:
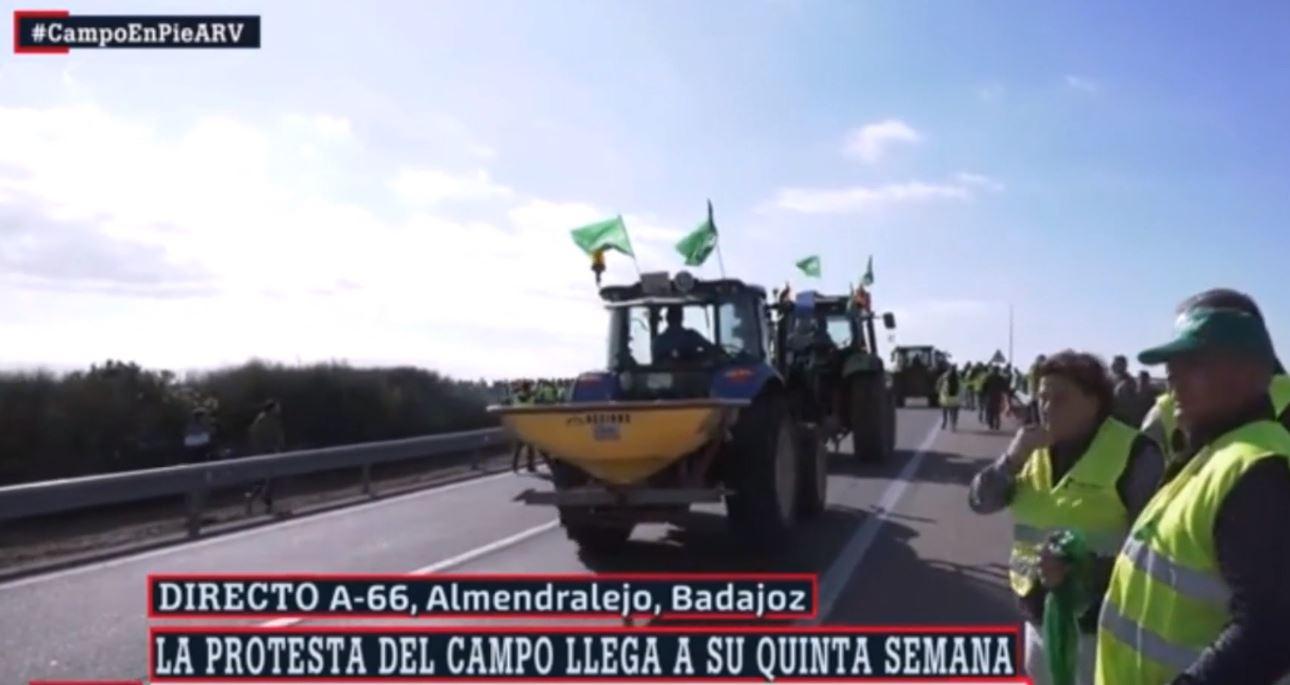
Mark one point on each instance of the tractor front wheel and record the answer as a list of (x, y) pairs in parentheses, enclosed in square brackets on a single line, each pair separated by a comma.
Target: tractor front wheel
[(871, 419), (765, 472)]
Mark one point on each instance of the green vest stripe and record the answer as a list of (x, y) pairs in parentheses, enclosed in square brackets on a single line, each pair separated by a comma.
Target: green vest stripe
[(1146, 642), (1190, 583)]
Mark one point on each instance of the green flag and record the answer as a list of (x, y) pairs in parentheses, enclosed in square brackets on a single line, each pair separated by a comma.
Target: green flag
[(810, 266), (867, 279), (610, 234), (698, 245)]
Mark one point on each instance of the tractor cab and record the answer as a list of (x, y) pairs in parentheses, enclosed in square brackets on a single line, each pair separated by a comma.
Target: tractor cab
[(681, 338), (829, 325), (916, 369), (826, 351)]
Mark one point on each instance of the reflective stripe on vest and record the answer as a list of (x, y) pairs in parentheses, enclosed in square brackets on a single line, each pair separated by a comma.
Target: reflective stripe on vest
[(1085, 499), (1166, 600)]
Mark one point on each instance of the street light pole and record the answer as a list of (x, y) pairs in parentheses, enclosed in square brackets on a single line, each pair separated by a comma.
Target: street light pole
[(1009, 334)]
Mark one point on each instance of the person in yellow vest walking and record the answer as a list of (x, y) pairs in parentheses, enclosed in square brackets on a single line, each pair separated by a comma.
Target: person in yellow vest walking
[(1160, 423), (949, 390), (1200, 592), (1079, 469)]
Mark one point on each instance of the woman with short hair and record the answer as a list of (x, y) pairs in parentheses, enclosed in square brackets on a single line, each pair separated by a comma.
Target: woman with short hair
[(1077, 469)]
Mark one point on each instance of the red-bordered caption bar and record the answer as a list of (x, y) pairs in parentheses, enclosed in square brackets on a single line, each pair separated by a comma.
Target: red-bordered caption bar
[(85, 682), (699, 596), (245, 654), (18, 46)]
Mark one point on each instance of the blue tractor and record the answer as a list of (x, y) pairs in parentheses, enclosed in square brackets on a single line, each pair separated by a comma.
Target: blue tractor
[(689, 409)]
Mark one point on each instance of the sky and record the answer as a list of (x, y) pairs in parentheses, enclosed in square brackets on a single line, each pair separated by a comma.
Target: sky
[(394, 183)]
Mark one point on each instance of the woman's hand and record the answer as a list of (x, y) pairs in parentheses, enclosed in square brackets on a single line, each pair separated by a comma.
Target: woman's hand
[(1027, 440), (1052, 568)]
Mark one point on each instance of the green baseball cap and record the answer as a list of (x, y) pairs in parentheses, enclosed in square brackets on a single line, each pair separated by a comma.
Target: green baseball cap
[(1207, 328)]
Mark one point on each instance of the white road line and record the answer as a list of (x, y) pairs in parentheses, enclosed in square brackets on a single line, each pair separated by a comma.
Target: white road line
[(469, 555), (257, 530), (835, 579)]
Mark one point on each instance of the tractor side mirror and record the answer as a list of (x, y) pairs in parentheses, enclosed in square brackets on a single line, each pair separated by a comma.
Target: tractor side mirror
[(889, 320)]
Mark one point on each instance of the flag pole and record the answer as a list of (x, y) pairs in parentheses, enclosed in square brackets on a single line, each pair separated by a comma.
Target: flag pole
[(721, 263), (629, 240)]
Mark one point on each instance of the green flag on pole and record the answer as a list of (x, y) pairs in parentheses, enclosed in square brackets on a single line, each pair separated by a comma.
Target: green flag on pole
[(699, 244), (810, 266), (867, 279), (610, 234)]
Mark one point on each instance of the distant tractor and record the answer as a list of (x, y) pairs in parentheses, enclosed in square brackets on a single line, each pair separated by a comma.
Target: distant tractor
[(827, 350), (689, 410), (917, 369)]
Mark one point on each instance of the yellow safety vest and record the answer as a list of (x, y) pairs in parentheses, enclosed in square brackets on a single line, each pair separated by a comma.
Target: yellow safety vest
[(1279, 391), (1167, 601), (1085, 500), (943, 389)]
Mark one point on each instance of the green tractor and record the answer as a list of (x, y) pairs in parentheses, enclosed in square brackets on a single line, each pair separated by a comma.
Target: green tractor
[(827, 351), (917, 368)]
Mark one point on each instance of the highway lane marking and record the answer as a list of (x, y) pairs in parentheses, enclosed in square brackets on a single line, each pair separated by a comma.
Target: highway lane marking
[(835, 579), (464, 557), (256, 530)]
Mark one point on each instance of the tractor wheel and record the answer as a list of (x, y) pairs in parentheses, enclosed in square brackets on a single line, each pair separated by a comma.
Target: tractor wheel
[(891, 422), (871, 418), (765, 471), (814, 478), (593, 535)]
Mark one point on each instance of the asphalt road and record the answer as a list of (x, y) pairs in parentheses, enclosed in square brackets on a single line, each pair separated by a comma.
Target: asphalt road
[(897, 544)]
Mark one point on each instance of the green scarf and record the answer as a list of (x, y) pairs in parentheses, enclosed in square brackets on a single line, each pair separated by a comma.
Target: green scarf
[(1063, 606)]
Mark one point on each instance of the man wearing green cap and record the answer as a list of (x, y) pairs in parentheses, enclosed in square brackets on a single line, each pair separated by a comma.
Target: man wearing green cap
[(1160, 423), (1200, 592)]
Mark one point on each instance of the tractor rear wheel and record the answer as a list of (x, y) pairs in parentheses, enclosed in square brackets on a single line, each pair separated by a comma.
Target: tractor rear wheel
[(597, 535), (871, 419), (765, 471)]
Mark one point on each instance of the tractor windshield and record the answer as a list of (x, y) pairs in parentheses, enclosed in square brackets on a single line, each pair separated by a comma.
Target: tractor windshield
[(915, 356), (839, 328), (661, 333)]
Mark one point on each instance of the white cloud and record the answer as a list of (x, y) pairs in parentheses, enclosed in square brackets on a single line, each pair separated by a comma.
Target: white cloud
[(867, 198), (111, 232), (871, 142), (327, 126), (978, 180), (484, 152), (433, 186), (1081, 83)]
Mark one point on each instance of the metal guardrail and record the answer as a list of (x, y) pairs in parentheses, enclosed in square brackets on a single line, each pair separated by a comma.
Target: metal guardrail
[(194, 481)]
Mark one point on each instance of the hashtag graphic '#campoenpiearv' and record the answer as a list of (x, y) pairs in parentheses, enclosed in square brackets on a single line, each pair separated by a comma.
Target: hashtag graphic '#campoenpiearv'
[(38, 33)]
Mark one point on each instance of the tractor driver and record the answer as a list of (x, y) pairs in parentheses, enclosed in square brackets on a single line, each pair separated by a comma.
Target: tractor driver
[(676, 341)]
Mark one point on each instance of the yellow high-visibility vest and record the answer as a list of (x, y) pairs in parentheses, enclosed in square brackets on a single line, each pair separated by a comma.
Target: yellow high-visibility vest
[(1167, 601), (1085, 499)]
